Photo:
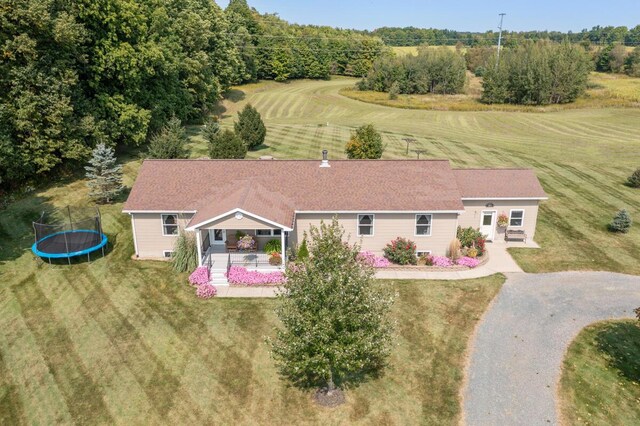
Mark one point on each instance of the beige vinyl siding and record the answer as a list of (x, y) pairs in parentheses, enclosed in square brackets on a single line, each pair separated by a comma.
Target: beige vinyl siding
[(388, 226), (148, 233), (473, 213)]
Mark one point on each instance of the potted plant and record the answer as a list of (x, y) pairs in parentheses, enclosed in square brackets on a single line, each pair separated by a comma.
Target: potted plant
[(246, 243), (503, 220), (275, 258)]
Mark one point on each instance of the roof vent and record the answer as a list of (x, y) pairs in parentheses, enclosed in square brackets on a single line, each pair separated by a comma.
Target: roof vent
[(325, 159)]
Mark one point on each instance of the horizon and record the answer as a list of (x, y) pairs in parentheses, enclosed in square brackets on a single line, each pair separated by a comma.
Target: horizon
[(468, 16)]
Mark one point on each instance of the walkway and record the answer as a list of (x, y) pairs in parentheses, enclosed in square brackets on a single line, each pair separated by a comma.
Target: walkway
[(499, 261), (517, 353)]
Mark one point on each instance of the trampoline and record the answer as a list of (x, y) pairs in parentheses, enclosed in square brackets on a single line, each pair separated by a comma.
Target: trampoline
[(70, 237)]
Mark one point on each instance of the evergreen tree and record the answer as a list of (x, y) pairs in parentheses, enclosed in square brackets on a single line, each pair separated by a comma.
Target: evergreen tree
[(634, 180), (226, 145), (170, 142), (335, 329), (365, 143), (105, 176), (621, 222), (250, 127)]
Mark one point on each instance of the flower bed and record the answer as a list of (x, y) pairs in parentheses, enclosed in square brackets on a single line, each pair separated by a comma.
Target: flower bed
[(371, 259), (199, 276), (200, 279), (241, 276), (441, 263)]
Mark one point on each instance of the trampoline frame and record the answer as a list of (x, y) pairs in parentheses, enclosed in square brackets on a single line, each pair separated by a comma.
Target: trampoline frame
[(68, 255)]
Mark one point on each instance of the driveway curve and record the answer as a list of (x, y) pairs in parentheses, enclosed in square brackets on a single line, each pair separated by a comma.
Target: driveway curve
[(517, 352)]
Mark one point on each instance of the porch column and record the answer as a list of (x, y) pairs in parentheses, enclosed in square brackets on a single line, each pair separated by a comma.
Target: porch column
[(199, 243), (284, 255)]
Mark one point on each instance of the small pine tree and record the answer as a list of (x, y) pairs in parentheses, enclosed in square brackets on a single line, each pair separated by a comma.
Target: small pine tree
[(170, 142), (634, 180), (365, 143), (250, 127), (226, 145), (105, 176), (394, 90), (621, 222), (211, 128), (303, 251), (336, 330)]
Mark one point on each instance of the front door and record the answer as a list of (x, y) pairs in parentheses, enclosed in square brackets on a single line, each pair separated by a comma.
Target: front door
[(488, 224), (218, 236)]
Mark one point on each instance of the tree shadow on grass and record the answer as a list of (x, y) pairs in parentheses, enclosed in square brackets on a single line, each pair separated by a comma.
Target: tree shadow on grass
[(621, 342)]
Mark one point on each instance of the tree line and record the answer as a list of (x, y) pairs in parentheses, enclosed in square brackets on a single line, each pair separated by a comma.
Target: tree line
[(412, 36), (77, 74)]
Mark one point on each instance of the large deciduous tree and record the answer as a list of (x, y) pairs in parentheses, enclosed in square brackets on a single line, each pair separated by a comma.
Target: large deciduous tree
[(365, 143), (250, 127), (336, 331)]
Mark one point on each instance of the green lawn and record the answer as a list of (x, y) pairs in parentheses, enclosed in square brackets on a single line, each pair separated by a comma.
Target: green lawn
[(123, 341), (600, 383), (581, 156)]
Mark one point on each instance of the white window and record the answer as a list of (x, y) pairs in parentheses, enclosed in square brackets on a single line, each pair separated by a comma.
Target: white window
[(168, 253), (169, 224), (365, 225), (516, 218), (268, 232), (423, 224)]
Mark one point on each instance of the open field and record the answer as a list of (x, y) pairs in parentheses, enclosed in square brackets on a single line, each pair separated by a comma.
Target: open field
[(600, 384), (604, 91), (582, 158), (127, 342)]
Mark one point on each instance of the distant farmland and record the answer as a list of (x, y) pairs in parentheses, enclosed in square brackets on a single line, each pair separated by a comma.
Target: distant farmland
[(582, 157)]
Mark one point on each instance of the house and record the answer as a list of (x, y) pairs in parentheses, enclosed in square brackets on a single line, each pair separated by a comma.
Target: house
[(374, 200)]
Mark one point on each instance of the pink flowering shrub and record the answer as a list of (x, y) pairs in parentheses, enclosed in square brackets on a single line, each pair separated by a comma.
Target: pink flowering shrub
[(239, 275), (199, 276), (441, 261), (206, 291), (369, 258), (468, 262)]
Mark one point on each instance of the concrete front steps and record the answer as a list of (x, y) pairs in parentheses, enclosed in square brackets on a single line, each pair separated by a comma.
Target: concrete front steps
[(217, 276)]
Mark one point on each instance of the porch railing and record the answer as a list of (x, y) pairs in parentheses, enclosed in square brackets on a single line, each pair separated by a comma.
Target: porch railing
[(206, 243), (250, 259)]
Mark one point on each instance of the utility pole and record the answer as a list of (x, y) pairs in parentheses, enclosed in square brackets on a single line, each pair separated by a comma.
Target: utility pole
[(500, 38)]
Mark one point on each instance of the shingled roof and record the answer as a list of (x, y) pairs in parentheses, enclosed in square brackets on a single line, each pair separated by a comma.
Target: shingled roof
[(498, 183), (276, 189)]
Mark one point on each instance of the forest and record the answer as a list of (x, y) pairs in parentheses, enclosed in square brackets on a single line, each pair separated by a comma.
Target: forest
[(76, 74)]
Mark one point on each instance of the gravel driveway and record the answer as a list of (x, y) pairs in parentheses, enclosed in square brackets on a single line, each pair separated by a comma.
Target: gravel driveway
[(519, 346)]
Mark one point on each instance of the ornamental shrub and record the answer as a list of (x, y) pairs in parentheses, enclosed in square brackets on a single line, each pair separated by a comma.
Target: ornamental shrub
[(468, 236), (454, 249), (185, 256), (273, 245), (206, 291), (199, 276), (401, 251), (621, 222), (634, 180), (371, 259)]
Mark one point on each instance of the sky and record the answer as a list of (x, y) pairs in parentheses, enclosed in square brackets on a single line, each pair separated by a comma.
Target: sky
[(461, 15)]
